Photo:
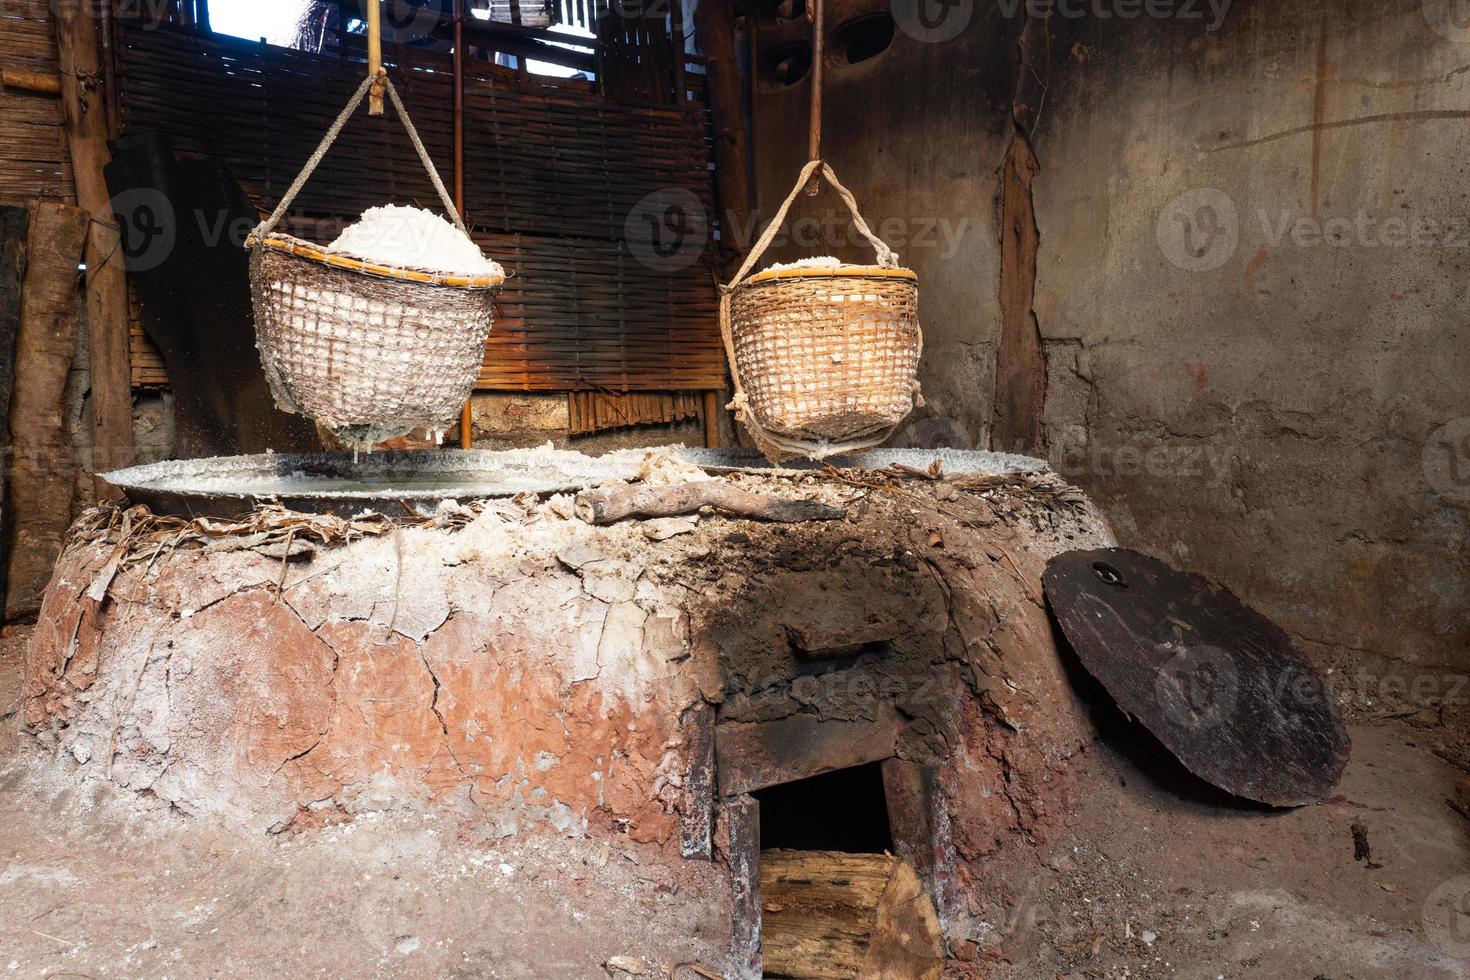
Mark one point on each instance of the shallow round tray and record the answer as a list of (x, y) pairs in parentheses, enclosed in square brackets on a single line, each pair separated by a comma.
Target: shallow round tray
[(338, 483), (395, 483)]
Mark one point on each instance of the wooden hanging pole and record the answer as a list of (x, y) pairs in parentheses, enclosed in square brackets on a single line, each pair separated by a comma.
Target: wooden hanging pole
[(467, 413), (814, 145), (375, 57)]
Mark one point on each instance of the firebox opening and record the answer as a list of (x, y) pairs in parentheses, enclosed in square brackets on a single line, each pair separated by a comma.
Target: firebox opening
[(844, 810)]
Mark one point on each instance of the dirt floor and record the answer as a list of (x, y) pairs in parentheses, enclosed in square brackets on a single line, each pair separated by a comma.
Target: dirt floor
[(1159, 878), (1163, 877)]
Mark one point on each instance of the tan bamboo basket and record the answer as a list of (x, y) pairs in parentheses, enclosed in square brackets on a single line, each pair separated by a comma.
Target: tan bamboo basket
[(824, 360), (367, 350)]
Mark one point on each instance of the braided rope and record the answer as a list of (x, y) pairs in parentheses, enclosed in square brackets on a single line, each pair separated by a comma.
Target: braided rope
[(269, 224)]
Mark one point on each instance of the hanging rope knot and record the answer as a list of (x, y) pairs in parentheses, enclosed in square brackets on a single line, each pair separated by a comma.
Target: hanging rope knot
[(740, 405), (919, 395)]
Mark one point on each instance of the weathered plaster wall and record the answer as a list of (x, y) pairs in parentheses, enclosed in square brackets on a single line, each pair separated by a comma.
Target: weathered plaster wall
[(1244, 394), (1253, 250)]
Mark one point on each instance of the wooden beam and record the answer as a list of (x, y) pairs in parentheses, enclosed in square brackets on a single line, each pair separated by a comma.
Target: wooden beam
[(740, 835), (755, 755), (714, 32), (43, 466), (84, 113), (30, 81), (711, 413)]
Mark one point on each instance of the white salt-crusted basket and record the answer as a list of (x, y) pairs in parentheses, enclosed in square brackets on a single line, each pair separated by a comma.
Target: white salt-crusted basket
[(367, 350)]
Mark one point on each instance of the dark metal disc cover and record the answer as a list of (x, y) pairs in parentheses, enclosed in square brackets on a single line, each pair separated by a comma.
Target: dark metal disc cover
[(1216, 682)]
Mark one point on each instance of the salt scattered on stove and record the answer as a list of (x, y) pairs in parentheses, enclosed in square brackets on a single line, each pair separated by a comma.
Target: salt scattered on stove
[(403, 237)]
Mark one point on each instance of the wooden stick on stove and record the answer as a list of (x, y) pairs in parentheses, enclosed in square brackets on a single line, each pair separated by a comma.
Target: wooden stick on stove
[(603, 507)]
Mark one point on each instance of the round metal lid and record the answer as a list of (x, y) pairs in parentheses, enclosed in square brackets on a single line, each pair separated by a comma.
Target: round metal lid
[(1216, 682)]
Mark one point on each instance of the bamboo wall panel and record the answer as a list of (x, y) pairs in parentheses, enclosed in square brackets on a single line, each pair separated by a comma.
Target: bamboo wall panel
[(552, 176), (614, 324), (34, 162)]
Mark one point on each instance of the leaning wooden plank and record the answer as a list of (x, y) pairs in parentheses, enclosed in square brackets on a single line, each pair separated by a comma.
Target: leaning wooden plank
[(826, 914), (43, 470), (84, 111)]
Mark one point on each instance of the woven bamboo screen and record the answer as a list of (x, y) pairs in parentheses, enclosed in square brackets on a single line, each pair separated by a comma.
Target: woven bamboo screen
[(34, 162), (551, 178)]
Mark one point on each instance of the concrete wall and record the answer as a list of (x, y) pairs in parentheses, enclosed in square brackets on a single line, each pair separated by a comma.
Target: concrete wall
[(1250, 284)]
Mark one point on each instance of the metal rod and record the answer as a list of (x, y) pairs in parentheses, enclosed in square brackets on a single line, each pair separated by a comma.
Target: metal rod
[(467, 414)]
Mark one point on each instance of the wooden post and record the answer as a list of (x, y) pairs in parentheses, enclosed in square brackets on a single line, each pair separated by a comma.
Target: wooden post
[(467, 414), (741, 834), (696, 833), (714, 30), (84, 112), (712, 419), (1020, 360), (43, 468), (14, 223)]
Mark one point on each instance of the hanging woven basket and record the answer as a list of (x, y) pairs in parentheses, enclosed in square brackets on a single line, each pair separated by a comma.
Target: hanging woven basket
[(367, 350), (824, 360)]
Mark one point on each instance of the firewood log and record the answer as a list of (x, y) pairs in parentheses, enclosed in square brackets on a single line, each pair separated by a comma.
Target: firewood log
[(827, 914)]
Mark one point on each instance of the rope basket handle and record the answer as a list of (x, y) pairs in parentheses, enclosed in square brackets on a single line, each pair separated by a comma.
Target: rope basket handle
[(886, 256), (269, 224), (777, 446)]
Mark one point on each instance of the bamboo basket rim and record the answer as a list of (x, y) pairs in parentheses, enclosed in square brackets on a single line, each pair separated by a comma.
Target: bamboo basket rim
[(833, 271), (315, 253)]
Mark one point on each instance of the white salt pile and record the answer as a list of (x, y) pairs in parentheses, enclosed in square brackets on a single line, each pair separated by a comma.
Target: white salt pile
[(400, 237), (815, 262)]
